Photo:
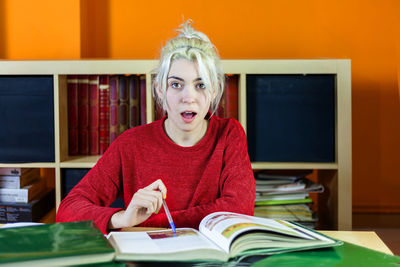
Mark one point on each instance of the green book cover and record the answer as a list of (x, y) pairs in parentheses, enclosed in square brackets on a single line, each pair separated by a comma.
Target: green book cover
[(55, 244), (280, 202), (341, 256)]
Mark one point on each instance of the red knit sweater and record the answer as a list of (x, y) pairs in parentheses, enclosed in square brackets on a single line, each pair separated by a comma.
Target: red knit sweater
[(213, 175)]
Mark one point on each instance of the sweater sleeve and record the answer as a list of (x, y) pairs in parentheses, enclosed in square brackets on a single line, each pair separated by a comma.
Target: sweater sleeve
[(237, 186), (91, 197)]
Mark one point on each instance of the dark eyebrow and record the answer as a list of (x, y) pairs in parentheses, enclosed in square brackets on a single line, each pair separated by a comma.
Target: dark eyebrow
[(180, 79), (175, 77)]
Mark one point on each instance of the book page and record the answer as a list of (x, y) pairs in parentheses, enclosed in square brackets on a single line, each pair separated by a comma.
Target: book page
[(223, 227), (19, 224), (160, 242)]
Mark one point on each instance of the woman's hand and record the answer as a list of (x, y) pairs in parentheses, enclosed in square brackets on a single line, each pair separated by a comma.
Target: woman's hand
[(144, 202)]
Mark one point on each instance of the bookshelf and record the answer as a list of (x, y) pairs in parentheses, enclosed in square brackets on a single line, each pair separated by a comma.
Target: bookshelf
[(335, 204)]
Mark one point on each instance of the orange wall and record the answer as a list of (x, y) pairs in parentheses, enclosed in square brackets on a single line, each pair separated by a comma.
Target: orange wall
[(42, 29), (365, 31)]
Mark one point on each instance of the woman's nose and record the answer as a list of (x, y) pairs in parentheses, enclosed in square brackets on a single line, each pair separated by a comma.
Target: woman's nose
[(188, 94)]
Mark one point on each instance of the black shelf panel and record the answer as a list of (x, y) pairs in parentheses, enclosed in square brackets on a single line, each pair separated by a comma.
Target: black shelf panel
[(26, 119), (291, 118)]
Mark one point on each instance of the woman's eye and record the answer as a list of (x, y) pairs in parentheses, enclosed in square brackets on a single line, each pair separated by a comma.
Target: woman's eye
[(175, 85), (201, 86)]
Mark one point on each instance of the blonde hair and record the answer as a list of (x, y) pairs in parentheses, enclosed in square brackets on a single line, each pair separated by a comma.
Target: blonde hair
[(196, 47)]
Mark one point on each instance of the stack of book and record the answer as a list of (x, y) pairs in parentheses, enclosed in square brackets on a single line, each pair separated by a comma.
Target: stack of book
[(283, 196), (24, 196), (101, 107)]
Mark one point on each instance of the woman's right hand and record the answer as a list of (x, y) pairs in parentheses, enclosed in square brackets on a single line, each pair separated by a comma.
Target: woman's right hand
[(144, 202)]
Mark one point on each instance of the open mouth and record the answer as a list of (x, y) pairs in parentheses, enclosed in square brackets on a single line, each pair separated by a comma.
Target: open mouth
[(188, 116)]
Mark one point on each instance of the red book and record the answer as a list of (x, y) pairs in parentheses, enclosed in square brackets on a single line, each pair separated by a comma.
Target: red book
[(114, 110), (123, 103), (73, 123), (143, 99), (104, 113), (133, 101), (94, 114), (231, 96), (83, 105)]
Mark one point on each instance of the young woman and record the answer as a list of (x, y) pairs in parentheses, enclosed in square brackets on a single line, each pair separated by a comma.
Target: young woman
[(201, 160)]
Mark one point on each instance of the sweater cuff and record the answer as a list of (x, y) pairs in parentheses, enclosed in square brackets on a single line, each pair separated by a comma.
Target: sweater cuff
[(102, 221)]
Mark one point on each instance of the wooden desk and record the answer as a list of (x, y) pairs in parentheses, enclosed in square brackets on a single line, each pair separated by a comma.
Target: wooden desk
[(368, 239)]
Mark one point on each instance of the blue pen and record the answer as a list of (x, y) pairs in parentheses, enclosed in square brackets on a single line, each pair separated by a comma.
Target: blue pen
[(171, 222)]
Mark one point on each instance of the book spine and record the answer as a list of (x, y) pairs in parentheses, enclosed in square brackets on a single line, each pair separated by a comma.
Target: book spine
[(73, 123), (133, 101), (19, 181), (27, 212), (123, 104), (142, 85), (104, 107), (114, 116), (9, 181), (231, 97), (83, 89), (94, 114), (23, 195)]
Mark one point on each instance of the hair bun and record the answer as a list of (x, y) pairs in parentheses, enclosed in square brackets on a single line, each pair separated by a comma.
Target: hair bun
[(186, 31)]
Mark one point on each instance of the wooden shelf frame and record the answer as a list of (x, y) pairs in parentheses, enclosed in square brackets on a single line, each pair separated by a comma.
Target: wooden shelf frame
[(336, 176)]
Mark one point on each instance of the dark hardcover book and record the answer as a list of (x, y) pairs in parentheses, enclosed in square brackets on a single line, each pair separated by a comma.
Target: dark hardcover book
[(143, 111), (94, 102), (114, 108), (54, 244), (71, 177), (123, 103), (19, 96), (73, 120), (231, 97), (291, 118), (27, 212), (133, 101), (83, 105), (104, 109)]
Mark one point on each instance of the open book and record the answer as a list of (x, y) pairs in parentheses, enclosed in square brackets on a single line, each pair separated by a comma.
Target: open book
[(221, 236)]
